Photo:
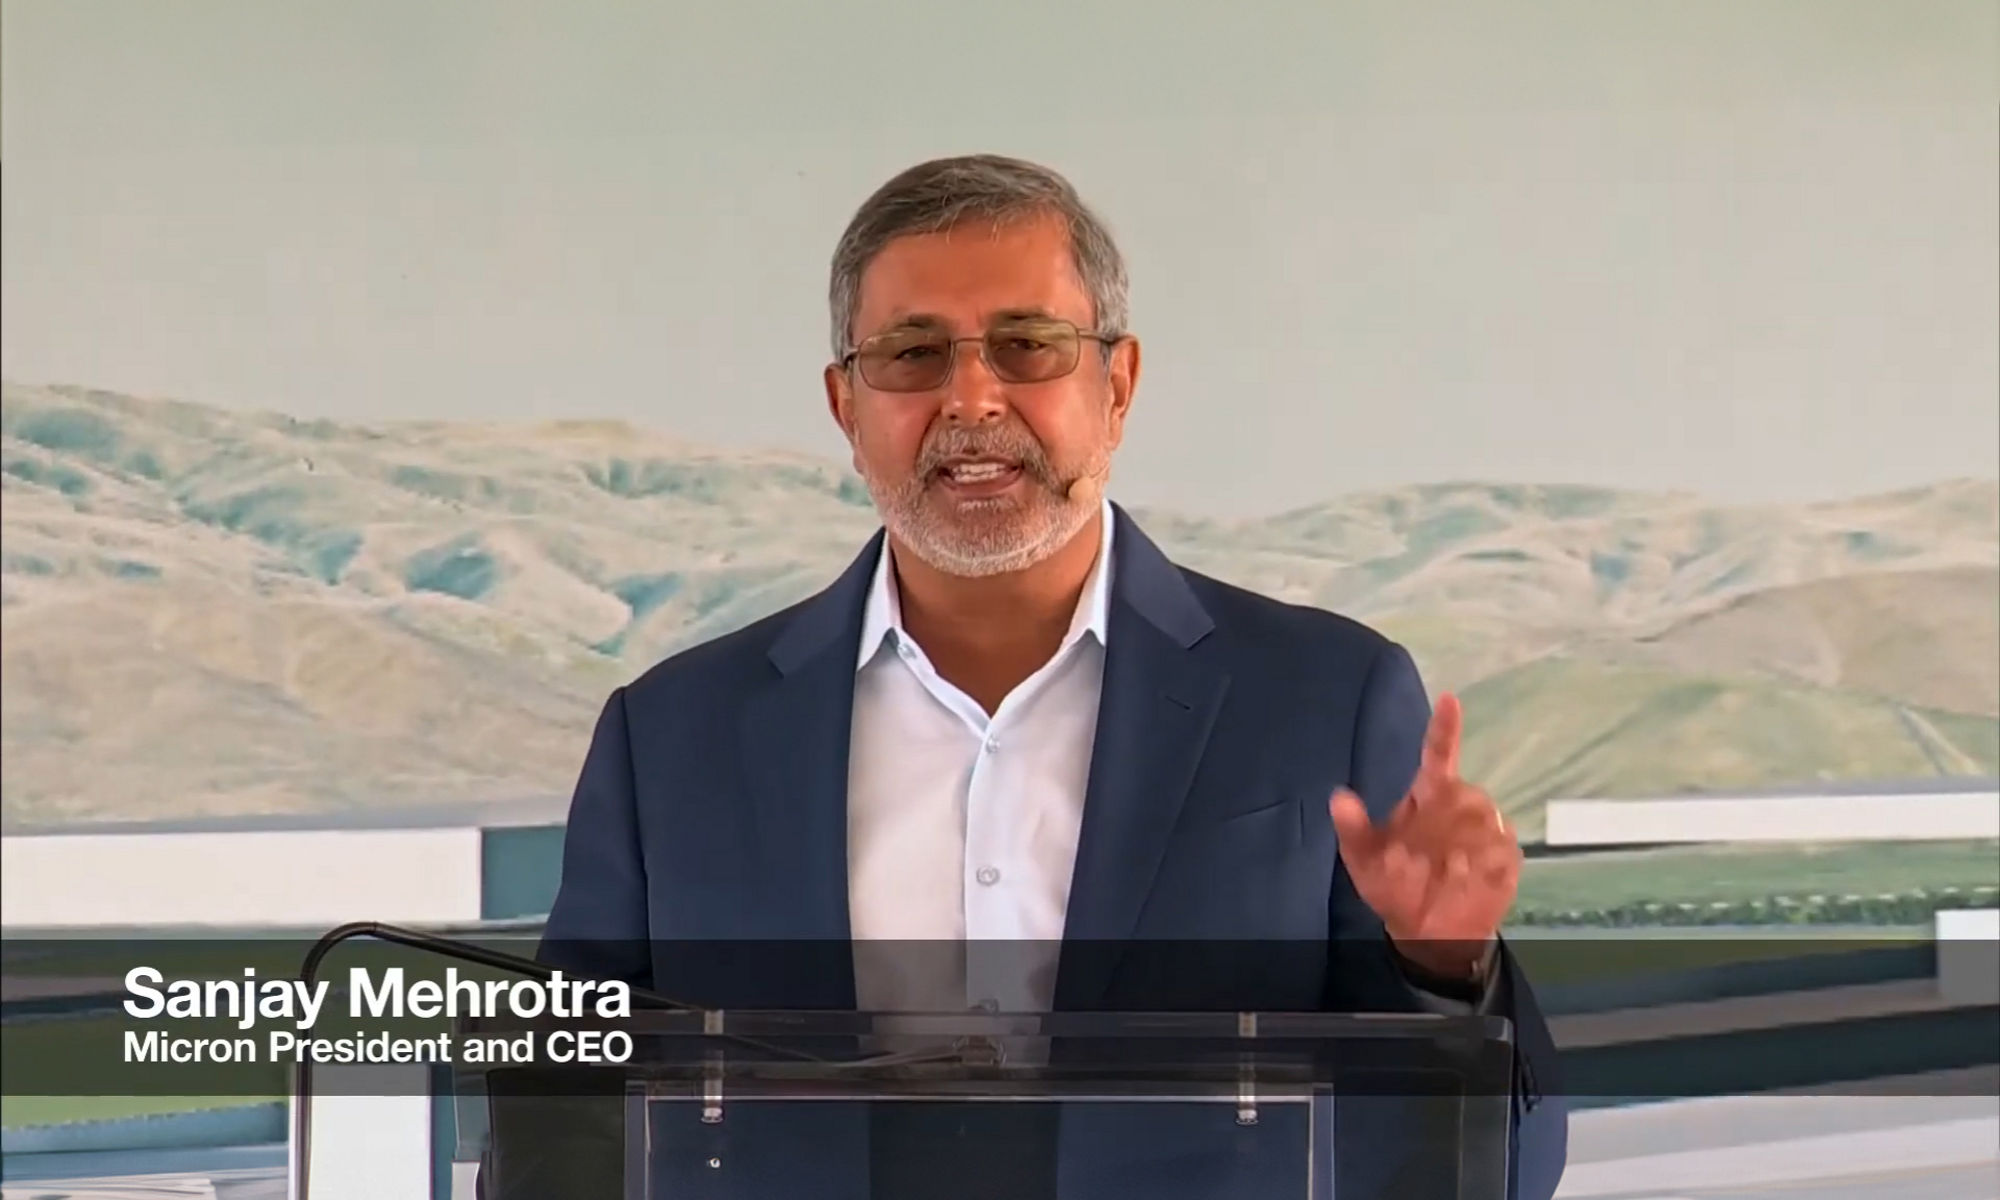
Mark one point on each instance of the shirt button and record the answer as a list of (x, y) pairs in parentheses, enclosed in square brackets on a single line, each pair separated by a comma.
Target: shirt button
[(992, 745), (906, 650), (988, 875)]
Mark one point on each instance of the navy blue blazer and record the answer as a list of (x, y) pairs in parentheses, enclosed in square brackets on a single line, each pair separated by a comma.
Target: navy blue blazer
[(711, 808)]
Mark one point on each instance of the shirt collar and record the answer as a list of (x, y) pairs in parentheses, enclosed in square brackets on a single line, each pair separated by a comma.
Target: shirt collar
[(883, 616)]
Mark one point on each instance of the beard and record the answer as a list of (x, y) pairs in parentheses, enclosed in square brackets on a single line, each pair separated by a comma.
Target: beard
[(986, 536)]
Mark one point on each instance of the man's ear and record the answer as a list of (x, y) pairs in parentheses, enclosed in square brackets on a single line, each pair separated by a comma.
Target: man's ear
[(1122, 375), (840, 403), (840, 399)]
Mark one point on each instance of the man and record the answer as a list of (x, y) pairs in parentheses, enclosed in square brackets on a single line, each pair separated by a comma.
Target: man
[(1013, 720)]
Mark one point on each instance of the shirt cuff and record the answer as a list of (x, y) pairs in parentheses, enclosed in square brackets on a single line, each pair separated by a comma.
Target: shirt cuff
[(1455, 997)]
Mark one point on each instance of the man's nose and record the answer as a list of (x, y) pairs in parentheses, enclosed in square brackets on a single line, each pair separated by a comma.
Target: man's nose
[(973, 395)]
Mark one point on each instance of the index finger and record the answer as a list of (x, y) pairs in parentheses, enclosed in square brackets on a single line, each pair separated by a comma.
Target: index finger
[(1441, 739)]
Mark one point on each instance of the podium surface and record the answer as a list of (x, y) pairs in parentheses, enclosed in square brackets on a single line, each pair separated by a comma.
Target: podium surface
[(804, 1105)]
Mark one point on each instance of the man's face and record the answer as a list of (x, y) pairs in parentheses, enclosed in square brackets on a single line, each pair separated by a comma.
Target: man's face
[(974, 475)]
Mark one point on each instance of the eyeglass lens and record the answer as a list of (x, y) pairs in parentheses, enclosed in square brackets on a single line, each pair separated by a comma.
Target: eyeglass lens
[(915, 360)]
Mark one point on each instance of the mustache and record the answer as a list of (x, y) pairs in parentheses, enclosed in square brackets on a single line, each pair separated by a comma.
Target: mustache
[(1009, 442)]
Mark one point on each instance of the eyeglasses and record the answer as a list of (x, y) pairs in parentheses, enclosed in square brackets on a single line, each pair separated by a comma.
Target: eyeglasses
[(1025, 351)]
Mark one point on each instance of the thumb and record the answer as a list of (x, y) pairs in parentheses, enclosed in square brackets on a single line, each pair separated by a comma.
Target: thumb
[(1352, 823)]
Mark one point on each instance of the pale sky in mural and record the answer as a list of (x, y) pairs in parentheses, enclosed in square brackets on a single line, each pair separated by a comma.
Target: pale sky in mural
[(1748, 249)]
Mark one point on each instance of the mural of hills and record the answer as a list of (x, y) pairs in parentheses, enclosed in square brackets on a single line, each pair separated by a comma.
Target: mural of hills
[(206, 612)]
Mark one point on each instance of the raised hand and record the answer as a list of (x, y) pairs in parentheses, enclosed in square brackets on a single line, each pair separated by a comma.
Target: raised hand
[(1442, 870)]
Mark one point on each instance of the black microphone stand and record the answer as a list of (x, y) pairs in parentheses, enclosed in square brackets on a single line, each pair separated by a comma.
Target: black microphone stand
[(417, 940)]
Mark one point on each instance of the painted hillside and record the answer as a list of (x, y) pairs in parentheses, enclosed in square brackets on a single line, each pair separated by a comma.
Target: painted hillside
[(210, 612)]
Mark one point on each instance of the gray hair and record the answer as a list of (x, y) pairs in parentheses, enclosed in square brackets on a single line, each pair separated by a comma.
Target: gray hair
[(935, 196)]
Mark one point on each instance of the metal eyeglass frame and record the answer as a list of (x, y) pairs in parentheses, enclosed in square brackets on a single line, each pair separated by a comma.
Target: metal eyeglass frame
[(851, 359)]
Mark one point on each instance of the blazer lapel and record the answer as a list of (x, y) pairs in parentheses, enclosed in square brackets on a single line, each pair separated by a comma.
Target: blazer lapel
[(1159, 701), (794, 747), (1160, 696)]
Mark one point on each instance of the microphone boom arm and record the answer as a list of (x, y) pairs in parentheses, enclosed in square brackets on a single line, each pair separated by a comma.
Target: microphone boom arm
[(417, 940)]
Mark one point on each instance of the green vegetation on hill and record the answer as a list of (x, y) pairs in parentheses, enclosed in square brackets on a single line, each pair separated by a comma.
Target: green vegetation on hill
[(1674, 873), (1885, 884)]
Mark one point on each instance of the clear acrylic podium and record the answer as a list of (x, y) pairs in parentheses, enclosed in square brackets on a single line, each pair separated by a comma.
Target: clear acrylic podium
[(745, 1105)]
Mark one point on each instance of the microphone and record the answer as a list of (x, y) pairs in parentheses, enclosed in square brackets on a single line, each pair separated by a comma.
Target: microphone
[(1089, 485), (431, 943)]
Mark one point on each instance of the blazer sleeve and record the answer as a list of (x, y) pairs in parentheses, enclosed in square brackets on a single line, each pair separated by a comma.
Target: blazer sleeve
[(598, 924), (597, 928), (1366, 974)]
